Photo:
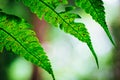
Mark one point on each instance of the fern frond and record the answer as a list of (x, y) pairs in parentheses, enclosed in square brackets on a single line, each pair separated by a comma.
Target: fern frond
[(16, 36), (43, 8), (96, 9)]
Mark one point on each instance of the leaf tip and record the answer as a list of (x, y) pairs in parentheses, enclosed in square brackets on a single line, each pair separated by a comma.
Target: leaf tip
[(53, 76), (108, 34), (93, 52)]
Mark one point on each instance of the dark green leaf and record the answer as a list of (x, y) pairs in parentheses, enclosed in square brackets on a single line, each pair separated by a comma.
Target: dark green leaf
[(96, 9)]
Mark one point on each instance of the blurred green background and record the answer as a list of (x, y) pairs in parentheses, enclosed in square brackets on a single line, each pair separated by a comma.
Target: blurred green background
[(70, 58)]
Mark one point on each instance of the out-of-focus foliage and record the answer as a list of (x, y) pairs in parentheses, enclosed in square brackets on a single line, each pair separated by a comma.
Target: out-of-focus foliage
[(5, 61)]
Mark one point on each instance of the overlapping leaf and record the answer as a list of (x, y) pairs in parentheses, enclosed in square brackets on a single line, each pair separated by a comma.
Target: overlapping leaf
[(96, 9), (46, 9), (15, 35)]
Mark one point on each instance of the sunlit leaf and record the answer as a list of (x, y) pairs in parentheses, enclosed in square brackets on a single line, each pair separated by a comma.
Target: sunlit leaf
[(46, 9), (15, 35)]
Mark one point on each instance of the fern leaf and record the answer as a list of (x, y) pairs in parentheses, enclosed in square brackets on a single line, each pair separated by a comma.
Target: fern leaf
[(96, 9), (15, 35), (45, 8)]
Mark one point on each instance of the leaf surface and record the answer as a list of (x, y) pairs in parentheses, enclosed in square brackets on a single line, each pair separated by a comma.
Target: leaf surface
[(65, 21), (15, 35), (96, 9)]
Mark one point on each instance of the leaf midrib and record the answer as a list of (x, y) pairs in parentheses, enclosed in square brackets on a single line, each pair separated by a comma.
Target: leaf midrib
[(58, 15), (18, 42), (94, 8), (107, 32)]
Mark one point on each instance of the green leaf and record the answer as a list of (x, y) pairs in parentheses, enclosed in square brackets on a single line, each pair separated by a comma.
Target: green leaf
[(96, 9), (46, 9), (15, 35)]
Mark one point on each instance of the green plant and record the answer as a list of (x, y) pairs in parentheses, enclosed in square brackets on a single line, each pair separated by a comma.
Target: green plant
[(16, 34)]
